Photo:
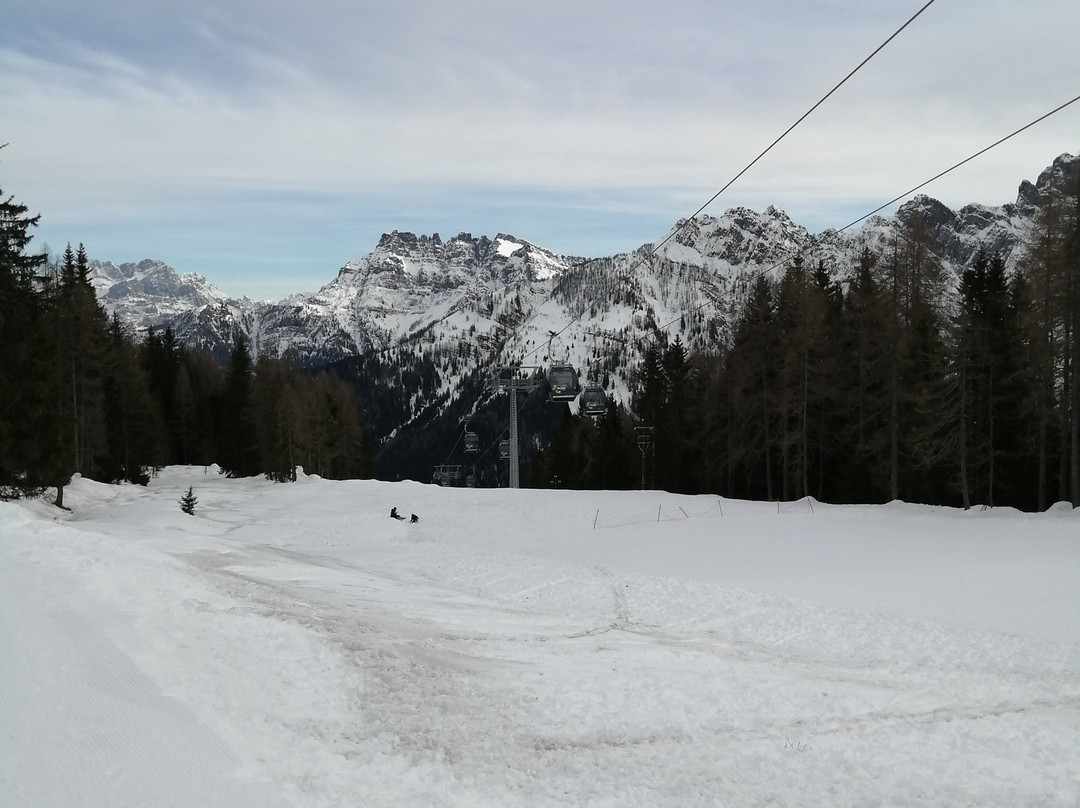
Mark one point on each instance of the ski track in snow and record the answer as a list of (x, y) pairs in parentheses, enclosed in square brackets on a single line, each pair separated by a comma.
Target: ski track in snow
[(292, 645), (84, 726)]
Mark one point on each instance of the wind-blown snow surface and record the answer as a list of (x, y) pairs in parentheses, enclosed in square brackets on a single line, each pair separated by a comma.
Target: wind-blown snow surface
[(291, 645)]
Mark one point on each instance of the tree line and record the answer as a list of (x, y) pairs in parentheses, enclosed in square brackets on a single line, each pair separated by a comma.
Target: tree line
[(81, 396), (903, 383)]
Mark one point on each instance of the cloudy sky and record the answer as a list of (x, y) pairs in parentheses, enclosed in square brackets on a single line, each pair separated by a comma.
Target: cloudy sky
[(263, 144)]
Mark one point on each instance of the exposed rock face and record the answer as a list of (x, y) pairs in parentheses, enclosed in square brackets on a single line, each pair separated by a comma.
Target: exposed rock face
[(150, 292), (498, 299)]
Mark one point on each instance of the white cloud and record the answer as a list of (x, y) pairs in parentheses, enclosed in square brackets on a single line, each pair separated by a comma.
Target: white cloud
[(111, 115)]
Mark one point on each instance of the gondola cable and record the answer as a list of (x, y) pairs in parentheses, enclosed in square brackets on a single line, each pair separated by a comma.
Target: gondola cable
[(650, 251), (829, 234)]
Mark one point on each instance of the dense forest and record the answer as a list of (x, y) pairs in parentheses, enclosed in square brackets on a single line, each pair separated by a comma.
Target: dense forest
[(81, 396), (900, 382)]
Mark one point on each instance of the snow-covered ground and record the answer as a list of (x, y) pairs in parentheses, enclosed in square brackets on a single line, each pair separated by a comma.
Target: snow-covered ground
[(290, 645)]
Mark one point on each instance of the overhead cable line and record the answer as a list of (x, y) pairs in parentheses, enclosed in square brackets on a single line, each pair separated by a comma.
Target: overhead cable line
[(650, 252), (685, 222), (979, 153), (828, 234), (804, 116), (481, 455)]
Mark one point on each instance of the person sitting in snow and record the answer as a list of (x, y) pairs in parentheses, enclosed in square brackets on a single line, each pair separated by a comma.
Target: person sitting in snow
[(394, 514), (414, 518)]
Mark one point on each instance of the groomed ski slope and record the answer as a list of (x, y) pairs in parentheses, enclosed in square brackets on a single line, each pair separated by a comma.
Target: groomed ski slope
[(290, 645)]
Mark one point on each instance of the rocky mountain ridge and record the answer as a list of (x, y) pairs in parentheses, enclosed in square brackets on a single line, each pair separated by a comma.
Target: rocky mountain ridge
[(489, 301)]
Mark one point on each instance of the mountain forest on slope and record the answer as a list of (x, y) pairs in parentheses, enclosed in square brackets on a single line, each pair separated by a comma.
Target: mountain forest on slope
[(887, 380)]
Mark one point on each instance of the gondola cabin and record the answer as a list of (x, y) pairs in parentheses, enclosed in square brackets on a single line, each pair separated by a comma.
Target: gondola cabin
[(563, 383), (593, 401), (446, 475), (472, 443), (504, 450)]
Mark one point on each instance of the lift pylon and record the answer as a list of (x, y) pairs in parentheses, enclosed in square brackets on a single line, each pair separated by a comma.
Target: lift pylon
[(509, 378)]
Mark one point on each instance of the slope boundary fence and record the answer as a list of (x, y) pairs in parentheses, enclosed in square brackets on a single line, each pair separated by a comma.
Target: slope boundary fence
[(608, 519), (667, 513)]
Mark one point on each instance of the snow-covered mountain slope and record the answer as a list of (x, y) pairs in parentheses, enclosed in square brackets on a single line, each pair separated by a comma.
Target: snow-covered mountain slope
[(490, 301), (407, 285), (151, 293)]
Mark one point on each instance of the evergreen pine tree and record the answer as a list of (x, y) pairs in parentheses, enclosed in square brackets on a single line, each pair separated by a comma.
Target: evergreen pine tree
[(678, 464), (238, 442), (863, 385), (611, 451), (188, 502), (135, 425), (751, 366), (1042, 323), (986, 373), (86, 345), (802, 389), (22, 376), (1071, 389), (278, 421), (913, 284)]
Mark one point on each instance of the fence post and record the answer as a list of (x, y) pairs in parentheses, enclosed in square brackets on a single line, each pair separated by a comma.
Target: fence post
[(595, 518)]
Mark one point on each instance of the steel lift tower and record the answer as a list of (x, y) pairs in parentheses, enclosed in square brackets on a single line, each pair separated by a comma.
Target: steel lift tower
[(509, 378)]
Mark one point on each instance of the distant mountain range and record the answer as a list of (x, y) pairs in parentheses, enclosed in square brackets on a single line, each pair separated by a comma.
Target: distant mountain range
[(487, 301)]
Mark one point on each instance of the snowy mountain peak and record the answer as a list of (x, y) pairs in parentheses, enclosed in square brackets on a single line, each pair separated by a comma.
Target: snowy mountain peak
[(149, 293), (401, 249), (151, 277), (485, 301), (740, 237)]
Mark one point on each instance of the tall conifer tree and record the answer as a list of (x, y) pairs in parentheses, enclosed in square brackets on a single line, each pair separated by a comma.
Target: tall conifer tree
[(238, 441), (22, 379)]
